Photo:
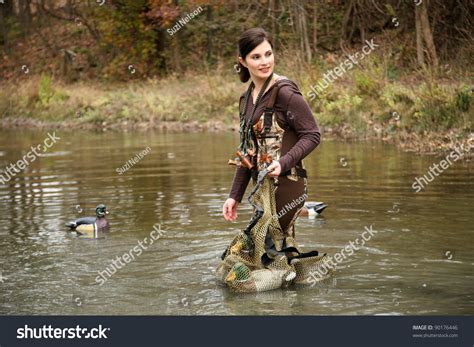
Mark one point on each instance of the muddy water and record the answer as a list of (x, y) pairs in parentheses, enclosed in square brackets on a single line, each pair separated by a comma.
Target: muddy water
[(420, 261)]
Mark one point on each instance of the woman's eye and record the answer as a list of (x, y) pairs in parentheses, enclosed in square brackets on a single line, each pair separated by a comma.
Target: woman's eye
[(255, 57), (269, 54)]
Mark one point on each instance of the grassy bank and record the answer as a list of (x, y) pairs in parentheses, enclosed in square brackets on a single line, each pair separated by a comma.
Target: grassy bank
[(417, 114), (191, 102)]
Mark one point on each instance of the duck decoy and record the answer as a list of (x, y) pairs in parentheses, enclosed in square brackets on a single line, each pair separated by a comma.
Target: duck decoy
[(242, 280), (313, 209), (91, 226)]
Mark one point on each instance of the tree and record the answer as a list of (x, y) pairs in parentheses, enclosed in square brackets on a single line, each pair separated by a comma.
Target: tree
[(424, 34), (6, 10)]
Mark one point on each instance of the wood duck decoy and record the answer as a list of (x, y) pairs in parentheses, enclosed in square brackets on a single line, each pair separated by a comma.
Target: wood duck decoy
[(313, 209), (91, 226)]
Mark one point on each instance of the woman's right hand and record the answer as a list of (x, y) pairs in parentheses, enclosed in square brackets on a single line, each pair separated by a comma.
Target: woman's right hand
[(229, 210)]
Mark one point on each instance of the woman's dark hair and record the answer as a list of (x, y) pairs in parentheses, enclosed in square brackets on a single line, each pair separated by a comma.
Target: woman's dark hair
[(248, 41)]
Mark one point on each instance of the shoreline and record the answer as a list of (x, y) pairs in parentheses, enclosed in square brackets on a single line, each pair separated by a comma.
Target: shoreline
[(434, 143)]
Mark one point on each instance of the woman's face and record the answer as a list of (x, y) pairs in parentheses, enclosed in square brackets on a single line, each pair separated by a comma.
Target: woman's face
[(260, 61)]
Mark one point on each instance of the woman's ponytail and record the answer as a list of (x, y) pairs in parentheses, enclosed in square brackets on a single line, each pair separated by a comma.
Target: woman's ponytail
[(243, 72)]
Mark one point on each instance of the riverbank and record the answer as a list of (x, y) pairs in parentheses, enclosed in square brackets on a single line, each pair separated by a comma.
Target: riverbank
[(433, 143), (425, 118)]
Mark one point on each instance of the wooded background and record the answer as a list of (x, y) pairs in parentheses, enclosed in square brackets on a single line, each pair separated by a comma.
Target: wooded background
[(101, 39)]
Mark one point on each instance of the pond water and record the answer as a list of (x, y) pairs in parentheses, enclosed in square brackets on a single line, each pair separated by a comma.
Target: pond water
[(420, 260)]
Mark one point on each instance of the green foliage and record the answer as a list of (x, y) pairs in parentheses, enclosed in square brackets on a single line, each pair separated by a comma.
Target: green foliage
[(47, 94), (392, 107), (337, 109), (434, 108), (426, 109), (93, 115), (365, 84), (45, 90), (15, 29), (463, 100), (392, 72)]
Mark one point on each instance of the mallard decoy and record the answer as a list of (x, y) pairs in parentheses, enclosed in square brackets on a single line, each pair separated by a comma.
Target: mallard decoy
[(245, 243), (241, 279), (91, 226), (313, 209)]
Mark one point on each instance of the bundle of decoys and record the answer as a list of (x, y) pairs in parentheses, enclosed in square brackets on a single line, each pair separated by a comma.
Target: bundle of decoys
[(91, 226), (262, 256)]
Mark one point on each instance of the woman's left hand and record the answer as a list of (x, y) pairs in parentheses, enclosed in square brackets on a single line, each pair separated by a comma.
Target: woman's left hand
[(275, 169)]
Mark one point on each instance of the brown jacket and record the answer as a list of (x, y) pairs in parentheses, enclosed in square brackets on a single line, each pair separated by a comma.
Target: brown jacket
[(300, 138)]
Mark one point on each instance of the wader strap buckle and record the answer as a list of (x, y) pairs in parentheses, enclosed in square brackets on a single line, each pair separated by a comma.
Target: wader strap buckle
[(299, 172), (269, 111), (267, 120)]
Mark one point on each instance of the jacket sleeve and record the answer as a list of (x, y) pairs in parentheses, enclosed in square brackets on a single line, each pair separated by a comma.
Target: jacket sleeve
[(240, 183), (301, 120)]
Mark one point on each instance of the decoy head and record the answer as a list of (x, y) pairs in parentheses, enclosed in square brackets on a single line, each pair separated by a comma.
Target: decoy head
[(101, 210), (239, 272), (235, 249), (246, 245)]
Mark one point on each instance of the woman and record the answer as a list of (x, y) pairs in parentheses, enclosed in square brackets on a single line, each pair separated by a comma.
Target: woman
[(277, 130), (301, 133)]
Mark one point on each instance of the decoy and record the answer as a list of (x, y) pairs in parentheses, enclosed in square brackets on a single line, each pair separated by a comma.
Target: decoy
[(91, 226), (313, 209), (242, 280)]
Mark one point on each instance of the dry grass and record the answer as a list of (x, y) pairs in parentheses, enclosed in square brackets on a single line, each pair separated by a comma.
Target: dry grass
[(362, 103)]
